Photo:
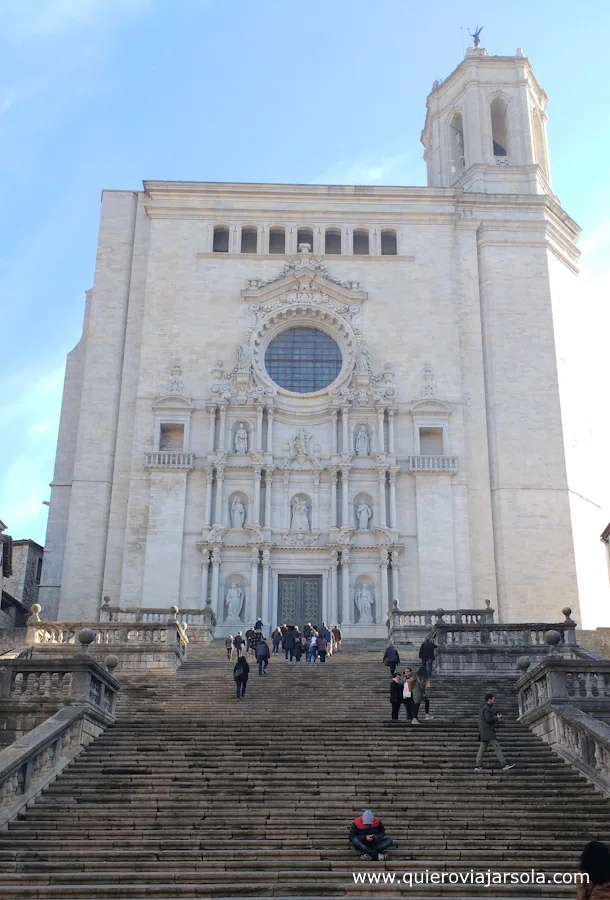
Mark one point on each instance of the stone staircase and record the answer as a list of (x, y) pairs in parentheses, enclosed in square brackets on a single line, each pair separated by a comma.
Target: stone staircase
[(193, 794)]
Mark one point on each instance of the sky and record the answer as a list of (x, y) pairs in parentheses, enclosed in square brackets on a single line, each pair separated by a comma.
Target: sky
[(105, 93)]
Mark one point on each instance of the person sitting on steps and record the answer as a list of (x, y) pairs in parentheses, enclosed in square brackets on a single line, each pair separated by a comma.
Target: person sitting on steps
[(595, 864), (488, 722), (367, 835)]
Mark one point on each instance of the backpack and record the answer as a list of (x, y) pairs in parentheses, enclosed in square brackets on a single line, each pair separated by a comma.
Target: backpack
[(238, 672)]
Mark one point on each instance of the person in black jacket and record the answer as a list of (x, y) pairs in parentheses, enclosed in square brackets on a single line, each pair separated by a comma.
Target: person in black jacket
[(262, 656), (298, 648), (396, 694), (367, 834), (289, 642), (488, 722), (241, 671), (258, 625), (238, 642), (391, 658), (276, 637), (426, 654)]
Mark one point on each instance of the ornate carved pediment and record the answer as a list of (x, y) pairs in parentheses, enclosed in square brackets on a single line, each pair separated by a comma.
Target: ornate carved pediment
[(384, 534), (174, 402), (304, 272)]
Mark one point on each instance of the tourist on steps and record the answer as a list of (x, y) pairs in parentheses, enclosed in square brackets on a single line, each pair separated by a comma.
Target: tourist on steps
[(289, 642), (327, 635), (241, 670), (257, 637), (298, 648), (367, 835), (307, 631), (276, 638), (391, 658), (417, 685), (322, 647), (396, 694), (338, 638), (595, 863), (239, 642), (262, 656), (249, 636), (229, 646), (407, 698), (258, 625), (488, 722), (426, 654), (313, 648)]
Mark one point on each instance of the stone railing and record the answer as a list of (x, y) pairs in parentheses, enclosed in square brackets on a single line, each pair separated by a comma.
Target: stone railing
[(560, 700), (138, 645), (168, 459), (201, 623), (487, 647), (432, 464), (410, 626)]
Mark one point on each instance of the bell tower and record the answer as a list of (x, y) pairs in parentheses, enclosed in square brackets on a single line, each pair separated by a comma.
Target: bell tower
[(485, 127)]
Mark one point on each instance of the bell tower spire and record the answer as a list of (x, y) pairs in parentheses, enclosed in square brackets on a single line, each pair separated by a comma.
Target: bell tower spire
[(485, 127)]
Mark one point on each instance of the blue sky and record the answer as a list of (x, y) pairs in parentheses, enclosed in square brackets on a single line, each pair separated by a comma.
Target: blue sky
[(104, 93)]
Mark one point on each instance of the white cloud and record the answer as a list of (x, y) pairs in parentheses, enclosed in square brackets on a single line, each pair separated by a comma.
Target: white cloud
[(7, 102), (390, 170)]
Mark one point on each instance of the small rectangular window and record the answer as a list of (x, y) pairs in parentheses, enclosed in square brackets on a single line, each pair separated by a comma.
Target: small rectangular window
[(38, 570), (361, 243), (171, 437), (388, 243), (332, 242), (221, 240), (277, 240), (248, 240), (431, 441)]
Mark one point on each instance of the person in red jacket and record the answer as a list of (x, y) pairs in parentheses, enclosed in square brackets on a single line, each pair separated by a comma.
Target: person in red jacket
[(367, 835)]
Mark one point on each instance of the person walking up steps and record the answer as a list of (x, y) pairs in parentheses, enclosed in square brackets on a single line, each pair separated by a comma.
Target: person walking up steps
[(488, 722), (391, 658), (426, 654), (322, 647), (239, 643), (417, 685), (262, 656), (276, 637), (289, 642), (396, 695), (338, 638), (229, 647), (298, 648), (241, 671)]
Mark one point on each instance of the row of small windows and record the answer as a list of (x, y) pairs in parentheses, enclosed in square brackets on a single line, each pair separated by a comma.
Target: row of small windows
[(361, 241)]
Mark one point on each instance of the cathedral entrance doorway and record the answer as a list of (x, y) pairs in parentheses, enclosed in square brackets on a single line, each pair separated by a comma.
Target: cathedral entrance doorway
[(300, 600)]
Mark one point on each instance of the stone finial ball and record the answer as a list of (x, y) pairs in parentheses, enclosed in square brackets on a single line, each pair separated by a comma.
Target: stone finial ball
[(174, 610), (111, 662), (36, 608), (440, 612), (567, 611), (523, 663), (86, 636), (552, 637)]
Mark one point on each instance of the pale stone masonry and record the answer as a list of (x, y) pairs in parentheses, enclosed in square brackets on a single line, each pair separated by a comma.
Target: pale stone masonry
[(428, 467)]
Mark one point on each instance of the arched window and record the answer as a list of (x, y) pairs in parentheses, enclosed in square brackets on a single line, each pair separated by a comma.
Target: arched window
[(361, 242), (539, 145), (249, 239), (456, 141), (221, 239), (277, 240), (498, 126), (332, 241), (305, 236), (388, 243)]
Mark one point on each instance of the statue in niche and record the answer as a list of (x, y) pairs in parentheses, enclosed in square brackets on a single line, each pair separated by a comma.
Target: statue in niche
[(235, 600), (363, 363), (300, 515), (244, 358), (363, 514), (238, 513), (364, 605), (363, 445), (241, 439), (301, 442)]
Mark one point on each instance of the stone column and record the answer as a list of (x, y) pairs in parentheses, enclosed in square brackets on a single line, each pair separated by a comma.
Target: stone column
[(381, 475), (395, 579), (333, 600), (333, 498), (391, 413), (223, 428), (209, 487), (345, 598), (220, 474), (205, 576), (380, 431), (345, 496), (259, 427), (270, 414), (268, 482), (215, 600), (394, 470), (265, 611), (212, 412), (286, 511), (333, 443), (257, 496), (345, 423), (383, 575), (254, 559), (315, 511)]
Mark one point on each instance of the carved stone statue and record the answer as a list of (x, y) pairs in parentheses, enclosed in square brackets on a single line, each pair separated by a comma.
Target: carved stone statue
[(241, 439), (301, 442), (363, 445), (244, 358), (363, 363), (364, 605), (300, 516), (476, 37), (363, 514), (238, 513), (235, 600)]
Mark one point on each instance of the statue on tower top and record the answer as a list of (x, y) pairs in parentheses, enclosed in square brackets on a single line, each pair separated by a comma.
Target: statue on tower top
[(476, 37)]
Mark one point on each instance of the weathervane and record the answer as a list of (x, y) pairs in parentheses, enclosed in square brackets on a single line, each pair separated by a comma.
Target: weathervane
[(476, 37)]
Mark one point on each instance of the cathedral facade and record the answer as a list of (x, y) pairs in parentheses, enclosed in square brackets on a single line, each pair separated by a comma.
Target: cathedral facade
[(306, 402)]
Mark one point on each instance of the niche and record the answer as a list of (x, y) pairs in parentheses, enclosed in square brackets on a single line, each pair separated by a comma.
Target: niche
[(431, 441), (363, 511), (235, 599), (241, 437), (238, 509), (171, 436), (364, 600)]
